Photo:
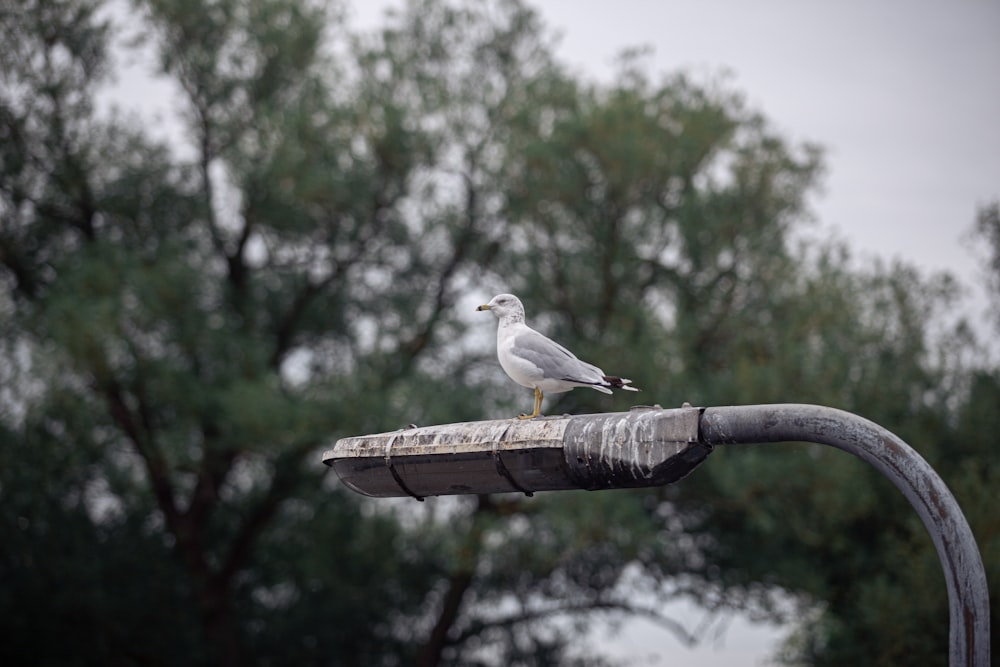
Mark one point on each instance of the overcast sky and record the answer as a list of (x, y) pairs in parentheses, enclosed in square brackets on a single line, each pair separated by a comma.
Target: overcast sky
[(903, 94)]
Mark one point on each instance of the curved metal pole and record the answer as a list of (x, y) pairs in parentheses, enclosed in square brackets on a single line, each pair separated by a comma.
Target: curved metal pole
[(968, 597)]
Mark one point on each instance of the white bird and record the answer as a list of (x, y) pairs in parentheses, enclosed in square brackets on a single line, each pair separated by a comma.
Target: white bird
[(537, 362)]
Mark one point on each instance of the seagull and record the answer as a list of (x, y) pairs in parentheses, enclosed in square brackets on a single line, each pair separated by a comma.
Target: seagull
[(537, 362)]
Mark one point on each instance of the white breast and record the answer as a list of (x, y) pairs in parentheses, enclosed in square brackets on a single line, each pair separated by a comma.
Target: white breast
[(520, 370)]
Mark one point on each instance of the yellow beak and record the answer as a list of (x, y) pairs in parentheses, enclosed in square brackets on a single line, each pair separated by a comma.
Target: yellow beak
[(485, 306)]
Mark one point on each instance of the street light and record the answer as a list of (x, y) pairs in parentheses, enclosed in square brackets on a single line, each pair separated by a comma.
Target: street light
[(652, 446), (642, 447)]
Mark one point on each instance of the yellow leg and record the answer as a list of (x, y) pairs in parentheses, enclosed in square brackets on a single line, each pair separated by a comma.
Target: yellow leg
[(538, 405)]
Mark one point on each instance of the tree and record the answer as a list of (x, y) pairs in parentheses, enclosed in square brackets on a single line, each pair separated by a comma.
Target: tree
[(195, 330), (161, 304), (186, 327)]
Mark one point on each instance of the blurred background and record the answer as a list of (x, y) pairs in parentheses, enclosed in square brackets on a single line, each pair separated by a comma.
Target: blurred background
[(232, 231)]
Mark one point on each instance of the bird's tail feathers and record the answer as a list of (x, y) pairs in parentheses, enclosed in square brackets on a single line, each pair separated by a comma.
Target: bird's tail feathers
[(619, 383)]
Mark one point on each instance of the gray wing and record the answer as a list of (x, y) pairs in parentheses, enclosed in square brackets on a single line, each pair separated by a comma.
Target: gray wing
[(555, 361)]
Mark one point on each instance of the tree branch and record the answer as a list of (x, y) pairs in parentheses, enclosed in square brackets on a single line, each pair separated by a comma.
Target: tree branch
[(214, 469), (285, 333), (184, 530), (282, 481), (235, 262), (442, 297), (286, 329), (156, 466), (687, 637), (25, 281)]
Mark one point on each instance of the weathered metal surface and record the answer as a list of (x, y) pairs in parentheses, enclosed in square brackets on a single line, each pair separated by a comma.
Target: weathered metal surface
[(642, 447), (647, 446), (969, 638), (455, 459)]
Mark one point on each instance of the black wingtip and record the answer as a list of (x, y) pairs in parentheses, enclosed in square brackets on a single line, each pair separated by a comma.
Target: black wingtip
[(619, 383)]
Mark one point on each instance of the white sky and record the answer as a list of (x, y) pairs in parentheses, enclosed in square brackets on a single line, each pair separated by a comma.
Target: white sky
[(904, 95)]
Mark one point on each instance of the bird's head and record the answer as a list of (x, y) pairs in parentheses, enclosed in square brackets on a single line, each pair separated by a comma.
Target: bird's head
[(505, 307)]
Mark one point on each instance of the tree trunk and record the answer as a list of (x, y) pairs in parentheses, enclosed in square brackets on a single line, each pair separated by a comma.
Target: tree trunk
[(220, 630), (458, 583), (430, 652)]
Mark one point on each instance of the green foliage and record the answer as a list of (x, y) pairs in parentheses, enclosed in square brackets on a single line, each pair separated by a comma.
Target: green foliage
[(183, 329)]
